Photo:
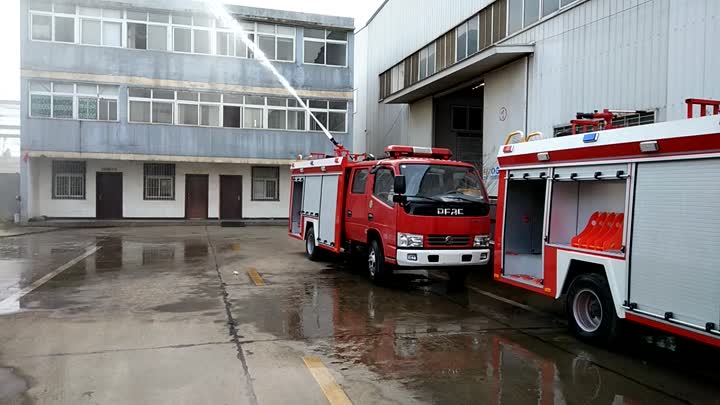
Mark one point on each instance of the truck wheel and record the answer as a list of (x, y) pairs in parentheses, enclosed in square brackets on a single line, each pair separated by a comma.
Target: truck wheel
[(311, 248), (377, 269), (590, 309)]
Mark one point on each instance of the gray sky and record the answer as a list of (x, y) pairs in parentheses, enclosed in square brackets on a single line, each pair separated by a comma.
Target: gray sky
[(361, 10)]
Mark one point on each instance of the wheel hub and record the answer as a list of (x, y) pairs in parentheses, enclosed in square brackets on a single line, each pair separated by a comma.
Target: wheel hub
[(587, 310), (372, 260)]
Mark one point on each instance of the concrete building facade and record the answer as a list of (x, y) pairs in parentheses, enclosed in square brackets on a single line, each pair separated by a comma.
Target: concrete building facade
[(464, 74), (157, 109)]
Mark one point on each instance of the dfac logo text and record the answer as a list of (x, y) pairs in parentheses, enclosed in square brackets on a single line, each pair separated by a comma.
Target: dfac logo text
[(450, 211)]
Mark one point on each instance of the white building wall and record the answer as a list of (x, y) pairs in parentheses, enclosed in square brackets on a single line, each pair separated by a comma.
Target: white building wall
[(504, 112), (133, 204), (420, 126), (617, 54)]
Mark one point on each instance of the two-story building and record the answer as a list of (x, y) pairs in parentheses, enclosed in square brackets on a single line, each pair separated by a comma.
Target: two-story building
[(157, 109)]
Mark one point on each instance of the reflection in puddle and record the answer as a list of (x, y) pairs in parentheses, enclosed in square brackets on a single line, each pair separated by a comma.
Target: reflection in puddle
[(12, 387), (443, 353), (157, 254), (195, 249), (110, 256)]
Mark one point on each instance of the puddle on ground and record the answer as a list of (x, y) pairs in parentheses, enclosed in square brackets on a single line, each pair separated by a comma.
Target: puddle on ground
[(187, 306), (194, 249), (13, 388)]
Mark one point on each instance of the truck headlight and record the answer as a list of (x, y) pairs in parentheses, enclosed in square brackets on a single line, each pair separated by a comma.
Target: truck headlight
[(481, 241), (409, 240)]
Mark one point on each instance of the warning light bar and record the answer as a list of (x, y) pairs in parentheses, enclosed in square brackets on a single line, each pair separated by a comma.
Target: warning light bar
[(396, 151)]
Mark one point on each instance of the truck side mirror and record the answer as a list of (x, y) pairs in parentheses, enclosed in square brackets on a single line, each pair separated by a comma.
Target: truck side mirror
[(399, 186)]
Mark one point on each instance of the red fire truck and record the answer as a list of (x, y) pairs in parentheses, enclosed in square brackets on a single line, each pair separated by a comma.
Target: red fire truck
[(415, 208), (625, 223)]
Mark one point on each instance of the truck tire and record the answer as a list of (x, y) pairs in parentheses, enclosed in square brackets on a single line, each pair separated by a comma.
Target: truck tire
[(311, 248), (377, 268), (590, 309)]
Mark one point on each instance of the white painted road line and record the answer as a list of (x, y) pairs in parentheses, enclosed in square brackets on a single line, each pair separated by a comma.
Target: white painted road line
[(506, 300), (11, 301), (499, 298)]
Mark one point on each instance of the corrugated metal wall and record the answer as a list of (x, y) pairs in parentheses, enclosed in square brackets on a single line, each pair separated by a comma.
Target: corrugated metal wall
[(599, 54), (399, 29), (619, 54)]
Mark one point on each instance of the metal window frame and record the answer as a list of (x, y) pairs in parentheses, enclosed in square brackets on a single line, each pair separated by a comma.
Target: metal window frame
[(102, 19), (327, 110), (264, 107), (326, 41), (491, 16), (171, 176), (75, 96), (170, 26), (55, 175), (275, 179)]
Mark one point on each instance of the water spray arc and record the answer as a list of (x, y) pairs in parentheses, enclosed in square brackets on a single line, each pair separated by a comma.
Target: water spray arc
[(220, 13)]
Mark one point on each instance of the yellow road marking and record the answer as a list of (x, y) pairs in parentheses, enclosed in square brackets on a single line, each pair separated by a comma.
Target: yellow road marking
[(334, 394), (255, 277)]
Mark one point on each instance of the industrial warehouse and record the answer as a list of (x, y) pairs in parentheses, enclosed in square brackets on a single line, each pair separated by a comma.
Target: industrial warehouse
[(464, 74)]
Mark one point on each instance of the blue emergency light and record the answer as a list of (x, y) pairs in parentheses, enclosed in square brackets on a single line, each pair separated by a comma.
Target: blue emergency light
[(590, 138)]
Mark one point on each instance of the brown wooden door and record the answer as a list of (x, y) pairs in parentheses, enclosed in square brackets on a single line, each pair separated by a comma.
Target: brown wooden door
[(108, 196), (230, 197), (196, 196)]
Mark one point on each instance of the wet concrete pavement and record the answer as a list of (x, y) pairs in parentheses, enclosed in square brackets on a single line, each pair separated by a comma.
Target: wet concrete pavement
[(170, 315)]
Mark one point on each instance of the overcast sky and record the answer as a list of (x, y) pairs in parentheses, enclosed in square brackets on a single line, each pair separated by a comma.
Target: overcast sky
[(361, 10)]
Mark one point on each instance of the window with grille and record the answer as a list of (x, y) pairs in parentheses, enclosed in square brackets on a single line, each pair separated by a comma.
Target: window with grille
[(82, 101), (265, 183), (159, 181), (68, 180)]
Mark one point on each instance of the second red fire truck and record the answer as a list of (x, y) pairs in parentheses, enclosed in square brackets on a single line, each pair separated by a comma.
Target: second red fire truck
[(416, 208), (624, 223)]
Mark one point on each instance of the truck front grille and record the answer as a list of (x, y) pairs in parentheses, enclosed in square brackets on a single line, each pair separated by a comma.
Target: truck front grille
[(448, 240)]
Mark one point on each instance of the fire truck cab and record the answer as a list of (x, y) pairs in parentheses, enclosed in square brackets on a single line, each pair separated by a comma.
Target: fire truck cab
[(624, 222), (414, 209)]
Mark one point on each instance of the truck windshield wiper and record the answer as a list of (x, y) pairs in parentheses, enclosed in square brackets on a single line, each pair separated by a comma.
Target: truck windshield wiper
[(423, 197), (456, 194)]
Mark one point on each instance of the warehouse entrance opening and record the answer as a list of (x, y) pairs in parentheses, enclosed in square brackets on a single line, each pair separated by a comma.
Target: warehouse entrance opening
[(459, 123)]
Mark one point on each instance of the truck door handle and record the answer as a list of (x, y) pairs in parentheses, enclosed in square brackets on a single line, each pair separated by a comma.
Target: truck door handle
[(349, 214), (370, 217)]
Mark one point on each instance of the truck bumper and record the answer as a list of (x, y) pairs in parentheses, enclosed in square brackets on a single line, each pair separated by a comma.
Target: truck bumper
[(442, 257)]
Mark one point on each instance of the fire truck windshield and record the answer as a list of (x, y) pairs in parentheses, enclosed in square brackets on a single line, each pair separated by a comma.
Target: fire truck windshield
[(442, 181)]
